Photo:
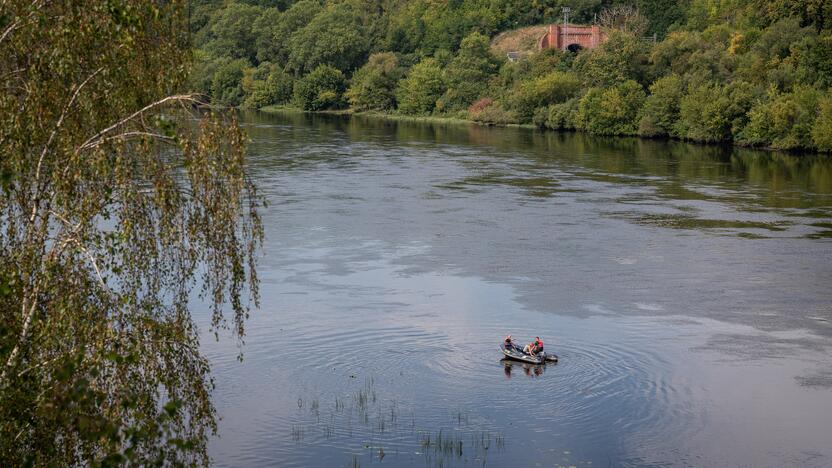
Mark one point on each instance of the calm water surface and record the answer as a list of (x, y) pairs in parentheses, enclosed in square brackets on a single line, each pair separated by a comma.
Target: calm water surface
[(685, 288)]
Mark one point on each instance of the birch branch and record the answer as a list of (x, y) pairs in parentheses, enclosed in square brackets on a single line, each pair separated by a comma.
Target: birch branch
[(97, 139)]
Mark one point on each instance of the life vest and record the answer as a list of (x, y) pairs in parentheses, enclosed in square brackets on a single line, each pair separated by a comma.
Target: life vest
[(539, 345)]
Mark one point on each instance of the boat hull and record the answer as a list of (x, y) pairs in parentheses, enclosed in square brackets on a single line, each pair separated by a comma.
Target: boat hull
[(514, 353)]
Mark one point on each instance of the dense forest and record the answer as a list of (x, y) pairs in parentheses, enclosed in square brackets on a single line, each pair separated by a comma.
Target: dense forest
[(751, 72)]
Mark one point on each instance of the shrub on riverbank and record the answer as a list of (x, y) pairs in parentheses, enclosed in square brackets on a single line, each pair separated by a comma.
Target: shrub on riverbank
[(822, 128), (320, 90), (552, 88), (489, 112), (785, 121), (373, 86), (275, 87), (468, 74), (226, 85), (418, 92), (611, 111), (660, 112), (563, 116), (711, 112)]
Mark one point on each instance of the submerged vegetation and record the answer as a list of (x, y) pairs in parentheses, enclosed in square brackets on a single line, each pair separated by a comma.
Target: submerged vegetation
[(375, 424), (751, 72)]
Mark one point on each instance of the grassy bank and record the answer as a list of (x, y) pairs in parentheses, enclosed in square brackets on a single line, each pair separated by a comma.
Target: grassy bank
[(431, 119)]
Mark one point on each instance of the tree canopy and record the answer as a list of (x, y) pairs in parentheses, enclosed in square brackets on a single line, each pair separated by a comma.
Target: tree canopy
[(334, 37)]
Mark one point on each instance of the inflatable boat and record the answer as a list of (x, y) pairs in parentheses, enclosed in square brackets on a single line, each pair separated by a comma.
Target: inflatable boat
[(514, 352)]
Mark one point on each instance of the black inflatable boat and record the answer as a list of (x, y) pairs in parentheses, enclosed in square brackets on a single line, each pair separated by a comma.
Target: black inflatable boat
[(516, 353)]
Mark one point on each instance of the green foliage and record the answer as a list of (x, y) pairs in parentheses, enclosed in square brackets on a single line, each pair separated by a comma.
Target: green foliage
[(673, 54), (202, 72), (822, 128), (275, 47), (421, 88), (703, 13), (522, 13), (134, 204), (697, 56), (200, 12), (777, 55), (775, 43), (230, 32), (226, 84), (321, 89), (406, 28), (712, 112), (661, 109), (511, 73), (784, 121), (468, 73), (818, 59), (619, 59), (547, 61), (662, 14), (444, 27), (336, 36), (817, 13), (374, 85), (264, 29), (562, 116), (426, 26), (487, 111), (443, 57), (611, 111), (277, 88), (552, 88)]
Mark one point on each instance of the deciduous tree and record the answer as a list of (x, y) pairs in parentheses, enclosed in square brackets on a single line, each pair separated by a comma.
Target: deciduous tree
[(374, 85), (417, 93), (117, 203)]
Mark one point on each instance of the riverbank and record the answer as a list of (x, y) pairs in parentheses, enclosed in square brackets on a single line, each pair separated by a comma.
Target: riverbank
[(432, 119), (448, 120)]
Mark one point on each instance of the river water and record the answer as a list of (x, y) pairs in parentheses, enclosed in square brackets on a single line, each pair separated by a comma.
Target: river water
[(685, 288)]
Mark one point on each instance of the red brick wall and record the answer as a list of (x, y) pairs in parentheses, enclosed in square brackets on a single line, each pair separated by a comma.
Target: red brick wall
[(588, 37)]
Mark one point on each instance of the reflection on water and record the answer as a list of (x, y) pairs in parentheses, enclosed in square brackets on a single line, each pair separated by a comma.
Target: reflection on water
[(685, 289), (530, 370)]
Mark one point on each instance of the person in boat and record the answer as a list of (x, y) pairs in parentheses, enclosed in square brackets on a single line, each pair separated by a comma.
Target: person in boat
[(509, 344), (534, 347)]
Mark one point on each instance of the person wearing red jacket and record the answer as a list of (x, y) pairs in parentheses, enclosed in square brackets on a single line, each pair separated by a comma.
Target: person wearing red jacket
[(534, 347)]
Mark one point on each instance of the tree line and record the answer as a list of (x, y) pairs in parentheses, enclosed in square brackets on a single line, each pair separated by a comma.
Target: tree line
[(751, 72)]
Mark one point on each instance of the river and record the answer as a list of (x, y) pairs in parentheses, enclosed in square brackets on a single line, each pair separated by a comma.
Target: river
[(685, 288)]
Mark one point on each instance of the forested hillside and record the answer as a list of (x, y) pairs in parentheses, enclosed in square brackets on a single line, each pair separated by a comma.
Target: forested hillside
[(752, 72)]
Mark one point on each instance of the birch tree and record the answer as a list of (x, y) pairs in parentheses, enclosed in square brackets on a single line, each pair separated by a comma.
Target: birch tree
[(120, 201)]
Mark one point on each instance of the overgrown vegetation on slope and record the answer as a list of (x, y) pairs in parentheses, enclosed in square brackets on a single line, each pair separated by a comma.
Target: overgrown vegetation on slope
[(752, 72)]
